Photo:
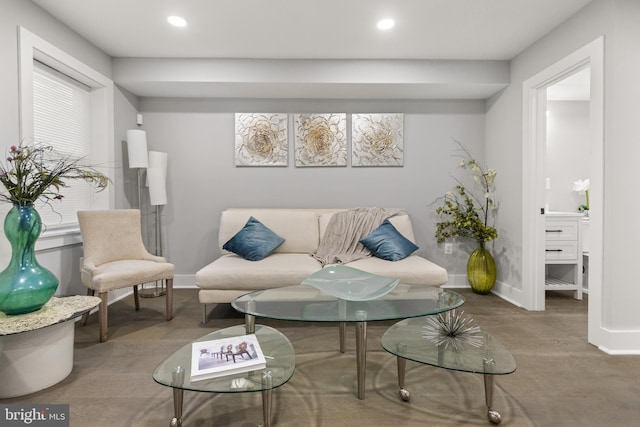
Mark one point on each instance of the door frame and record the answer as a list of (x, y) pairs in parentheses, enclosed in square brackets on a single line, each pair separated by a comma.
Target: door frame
[(533, 162)]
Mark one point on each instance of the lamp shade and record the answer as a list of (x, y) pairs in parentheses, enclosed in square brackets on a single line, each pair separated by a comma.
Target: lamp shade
[(158, 159), (157, 187), (137, 147)]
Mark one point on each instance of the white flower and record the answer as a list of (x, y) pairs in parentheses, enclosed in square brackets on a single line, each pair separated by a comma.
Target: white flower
[(490, 176), (581, 185)]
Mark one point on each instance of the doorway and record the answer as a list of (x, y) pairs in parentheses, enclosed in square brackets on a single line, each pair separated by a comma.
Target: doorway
[(535, 185)]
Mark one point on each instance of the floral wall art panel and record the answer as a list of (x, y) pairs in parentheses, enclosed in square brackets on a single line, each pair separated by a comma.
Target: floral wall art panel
[(320, 140), (261, 139), (377, 140)]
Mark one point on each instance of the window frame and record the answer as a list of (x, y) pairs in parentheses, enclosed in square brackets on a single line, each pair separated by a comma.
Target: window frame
[(32, 47)]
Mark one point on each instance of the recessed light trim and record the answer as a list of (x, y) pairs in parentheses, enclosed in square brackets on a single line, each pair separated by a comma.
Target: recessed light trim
[(177, 21), (386, 24)]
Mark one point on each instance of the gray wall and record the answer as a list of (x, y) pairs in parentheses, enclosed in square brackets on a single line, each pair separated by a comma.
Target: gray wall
[(198, 135)]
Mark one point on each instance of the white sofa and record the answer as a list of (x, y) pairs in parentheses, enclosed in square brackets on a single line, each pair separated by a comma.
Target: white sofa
[(231, 276)]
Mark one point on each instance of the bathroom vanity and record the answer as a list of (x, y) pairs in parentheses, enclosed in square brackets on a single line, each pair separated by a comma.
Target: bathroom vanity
[(563, 252)]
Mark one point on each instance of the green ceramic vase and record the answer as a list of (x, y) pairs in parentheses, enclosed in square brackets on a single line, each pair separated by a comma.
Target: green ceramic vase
[(25, 285), (481, 270)]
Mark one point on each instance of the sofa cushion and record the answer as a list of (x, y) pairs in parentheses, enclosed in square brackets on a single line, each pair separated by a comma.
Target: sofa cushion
[(413, 270), (254, 241), (298, 227), (387, 243), (234, 272)]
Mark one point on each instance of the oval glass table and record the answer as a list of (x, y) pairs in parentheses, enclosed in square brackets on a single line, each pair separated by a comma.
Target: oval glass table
[(309, 304), (479, 354), (175, 371)]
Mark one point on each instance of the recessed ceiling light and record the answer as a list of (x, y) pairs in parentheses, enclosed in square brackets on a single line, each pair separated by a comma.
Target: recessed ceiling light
[(386, 24), (177, 21)]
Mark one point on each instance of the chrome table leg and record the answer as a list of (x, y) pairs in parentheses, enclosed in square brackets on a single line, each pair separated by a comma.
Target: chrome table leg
[(250, 324), (361, 355), (493, 416), (267, 393), (176, 421), (343, 339), (402, 367)]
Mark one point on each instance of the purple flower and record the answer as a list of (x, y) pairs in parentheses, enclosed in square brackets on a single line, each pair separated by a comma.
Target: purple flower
[(14, 148), (9, 159)]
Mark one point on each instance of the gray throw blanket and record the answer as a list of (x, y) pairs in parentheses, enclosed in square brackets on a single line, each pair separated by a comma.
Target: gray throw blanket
[(340, 243)]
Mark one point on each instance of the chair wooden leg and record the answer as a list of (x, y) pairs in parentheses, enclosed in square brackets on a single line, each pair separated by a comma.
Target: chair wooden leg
[(136, 297), (169, 301), (204, 315), (85, 316), (102, 316)]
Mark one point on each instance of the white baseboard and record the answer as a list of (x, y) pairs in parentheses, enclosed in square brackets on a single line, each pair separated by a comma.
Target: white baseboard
[(501, 289), (457, 281), (184, 281), (508, 293), (619, 342)]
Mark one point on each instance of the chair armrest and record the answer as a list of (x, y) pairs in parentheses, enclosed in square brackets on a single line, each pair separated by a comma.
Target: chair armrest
[(155, 258), (88, 267)]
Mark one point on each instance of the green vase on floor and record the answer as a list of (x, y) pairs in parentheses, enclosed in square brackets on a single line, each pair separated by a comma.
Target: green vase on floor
[(25, 285), (481, 270)]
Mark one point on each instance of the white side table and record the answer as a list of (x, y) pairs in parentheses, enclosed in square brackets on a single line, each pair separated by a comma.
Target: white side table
[(36, 349)]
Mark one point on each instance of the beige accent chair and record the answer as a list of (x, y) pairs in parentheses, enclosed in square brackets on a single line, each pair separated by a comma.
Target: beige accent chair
[(115, 257)]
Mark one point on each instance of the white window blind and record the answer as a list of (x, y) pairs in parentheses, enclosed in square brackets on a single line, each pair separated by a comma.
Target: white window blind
[(61, 118)]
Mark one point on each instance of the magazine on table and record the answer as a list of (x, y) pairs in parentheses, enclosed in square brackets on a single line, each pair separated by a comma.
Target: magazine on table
[(226, 356)]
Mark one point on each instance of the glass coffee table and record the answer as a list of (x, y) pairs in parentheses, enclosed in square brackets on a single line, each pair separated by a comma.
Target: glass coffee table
[(405, 340), (309, 304), (175, 371)]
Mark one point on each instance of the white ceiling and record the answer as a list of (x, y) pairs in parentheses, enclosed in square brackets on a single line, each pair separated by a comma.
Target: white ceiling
[(305, 29)]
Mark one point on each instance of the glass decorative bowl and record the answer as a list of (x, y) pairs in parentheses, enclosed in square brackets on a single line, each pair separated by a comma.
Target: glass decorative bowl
[(350, 284)]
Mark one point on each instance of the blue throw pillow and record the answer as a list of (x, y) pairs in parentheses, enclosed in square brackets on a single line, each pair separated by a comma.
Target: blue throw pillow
[(254, 242), (387, 243)]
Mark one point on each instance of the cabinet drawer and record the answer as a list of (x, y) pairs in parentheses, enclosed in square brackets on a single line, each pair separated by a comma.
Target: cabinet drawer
[(561, 251), (561, 230)]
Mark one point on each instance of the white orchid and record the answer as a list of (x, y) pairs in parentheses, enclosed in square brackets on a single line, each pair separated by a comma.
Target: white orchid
[(581, 185)]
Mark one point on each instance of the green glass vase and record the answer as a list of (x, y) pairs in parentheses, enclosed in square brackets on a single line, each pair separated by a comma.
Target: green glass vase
[(25, 285), (481, 270)]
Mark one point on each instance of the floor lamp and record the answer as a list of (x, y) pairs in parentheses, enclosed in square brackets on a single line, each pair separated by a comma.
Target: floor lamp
[(157, 182)]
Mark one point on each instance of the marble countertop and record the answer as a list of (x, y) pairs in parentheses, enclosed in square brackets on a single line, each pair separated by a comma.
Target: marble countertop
[(56, 310)]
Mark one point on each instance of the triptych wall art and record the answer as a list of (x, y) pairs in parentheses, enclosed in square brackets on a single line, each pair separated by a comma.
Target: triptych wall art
[(261, 139)]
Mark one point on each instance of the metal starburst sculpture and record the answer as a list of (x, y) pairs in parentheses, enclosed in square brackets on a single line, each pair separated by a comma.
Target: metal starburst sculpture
[(452, 329)]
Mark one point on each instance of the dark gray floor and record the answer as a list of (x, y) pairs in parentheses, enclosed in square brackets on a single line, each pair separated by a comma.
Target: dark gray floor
[(561, 380)]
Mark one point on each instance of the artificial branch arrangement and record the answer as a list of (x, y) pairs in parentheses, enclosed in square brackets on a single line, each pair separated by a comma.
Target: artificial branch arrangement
[(466, 213), (38, 172)]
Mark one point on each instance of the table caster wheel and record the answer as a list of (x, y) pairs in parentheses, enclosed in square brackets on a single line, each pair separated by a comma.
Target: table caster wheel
[(494, 417), (175, 422), (404, 394)]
